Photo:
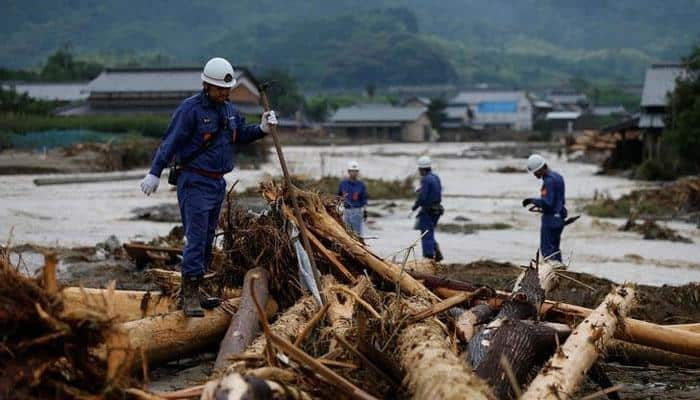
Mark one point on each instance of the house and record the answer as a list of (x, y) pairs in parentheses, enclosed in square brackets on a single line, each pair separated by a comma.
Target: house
[(158, 91), (567, 100), (496, 109), (381, 122), (53, 91), (562, 121), (608, 111), (457, 124), (660, 79), (416, 101)]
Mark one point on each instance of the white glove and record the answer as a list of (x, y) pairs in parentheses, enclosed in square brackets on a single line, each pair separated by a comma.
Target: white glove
[(410, 214), (149, 184), (268, 120)]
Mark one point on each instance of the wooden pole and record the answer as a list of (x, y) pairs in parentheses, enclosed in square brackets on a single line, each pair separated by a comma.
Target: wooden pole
[(244, 325), (564, 372), (292, 192), (129, 305)]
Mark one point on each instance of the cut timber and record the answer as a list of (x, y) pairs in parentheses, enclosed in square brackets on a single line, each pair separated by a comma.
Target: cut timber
[(641, 332), (244, 325), (636, 354), (562, 375), (432, 370), (324, 225), (171, 336), (128, 305)]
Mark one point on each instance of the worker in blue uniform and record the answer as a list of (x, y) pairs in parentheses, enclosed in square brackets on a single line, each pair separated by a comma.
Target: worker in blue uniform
[(354, 195), (429, 201), (552, 205), (201, 140)]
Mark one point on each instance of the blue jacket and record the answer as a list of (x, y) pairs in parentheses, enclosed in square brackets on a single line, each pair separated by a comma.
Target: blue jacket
[(353, 193), (552, 200), (198, 119), (430, 192)]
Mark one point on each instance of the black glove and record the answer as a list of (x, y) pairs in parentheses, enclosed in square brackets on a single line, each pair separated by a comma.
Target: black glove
[(527, 202), (364, 215)]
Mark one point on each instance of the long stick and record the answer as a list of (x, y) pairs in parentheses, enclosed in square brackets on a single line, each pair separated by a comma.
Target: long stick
[(292, 193)]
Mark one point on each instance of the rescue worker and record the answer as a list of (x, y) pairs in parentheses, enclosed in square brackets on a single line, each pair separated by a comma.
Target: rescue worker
[(429, 199), (552, 204), (202, 138), (354, 195)]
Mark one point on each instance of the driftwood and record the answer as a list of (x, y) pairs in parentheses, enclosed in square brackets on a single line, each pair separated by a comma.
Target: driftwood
[(562, 375), (171, 336), (433, 370), (244, 325), (342, 307), (468, 320), (636, 354), (663, 337), (128, 305)]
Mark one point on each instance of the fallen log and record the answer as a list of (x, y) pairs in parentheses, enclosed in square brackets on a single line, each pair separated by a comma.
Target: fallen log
[(682, 340), (637, 354), (171, 336), (342, 307), (686, 327), (128, 305), (288, 326), (244, 325), (332, 259), (432, 369), (640, 332), (477, 315), (562, 375)]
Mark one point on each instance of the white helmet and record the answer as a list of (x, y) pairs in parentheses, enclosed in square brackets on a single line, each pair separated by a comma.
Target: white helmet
[(535, 162), (218, 72), (424, 162), (353, 166)]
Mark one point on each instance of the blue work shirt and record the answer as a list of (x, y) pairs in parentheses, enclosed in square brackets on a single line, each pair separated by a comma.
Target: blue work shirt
[(353, 193), (198, 119), (430, 192), (552, 200)]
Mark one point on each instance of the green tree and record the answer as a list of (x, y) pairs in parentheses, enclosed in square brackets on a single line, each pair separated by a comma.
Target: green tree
[(436, 112), (683, 119), (62, 66)]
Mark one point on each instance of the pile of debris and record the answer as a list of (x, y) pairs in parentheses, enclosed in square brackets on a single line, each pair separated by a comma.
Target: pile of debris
[(612, 150), (368, 328)]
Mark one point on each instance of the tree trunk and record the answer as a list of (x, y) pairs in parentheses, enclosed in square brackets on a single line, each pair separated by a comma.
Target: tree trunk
[(433, 370), (477, 315), (342, 307), (245, 325), (562, 375), (171, 336), (129, 305), (636, 354)]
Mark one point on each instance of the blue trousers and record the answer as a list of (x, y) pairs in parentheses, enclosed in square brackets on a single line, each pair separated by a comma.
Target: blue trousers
[(200, 201), (550, 238), (353, 219), (427, 223)]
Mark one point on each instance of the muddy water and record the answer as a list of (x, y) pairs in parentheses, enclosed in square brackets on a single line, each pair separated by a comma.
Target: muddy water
[(72, 215)]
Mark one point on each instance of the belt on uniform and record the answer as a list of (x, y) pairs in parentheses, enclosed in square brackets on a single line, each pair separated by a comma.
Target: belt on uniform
[(208, 174)]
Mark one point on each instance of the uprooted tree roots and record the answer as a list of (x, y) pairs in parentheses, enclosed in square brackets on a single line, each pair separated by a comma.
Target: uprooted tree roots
[(45, 348)]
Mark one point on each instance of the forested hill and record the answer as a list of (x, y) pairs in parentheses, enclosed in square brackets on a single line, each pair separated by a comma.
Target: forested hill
[(354, 43)]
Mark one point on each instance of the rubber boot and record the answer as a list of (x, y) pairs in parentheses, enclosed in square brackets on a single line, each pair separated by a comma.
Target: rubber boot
[(438, 253), (190, 297)]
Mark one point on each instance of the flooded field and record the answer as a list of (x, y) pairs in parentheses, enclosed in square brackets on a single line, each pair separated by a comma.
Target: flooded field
[(76, 215)]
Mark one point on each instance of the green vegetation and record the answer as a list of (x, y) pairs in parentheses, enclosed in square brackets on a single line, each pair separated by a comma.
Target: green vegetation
[(351, 45), (683, 121), (436, 112), (13, 102), (60, 66), (147, 125)]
